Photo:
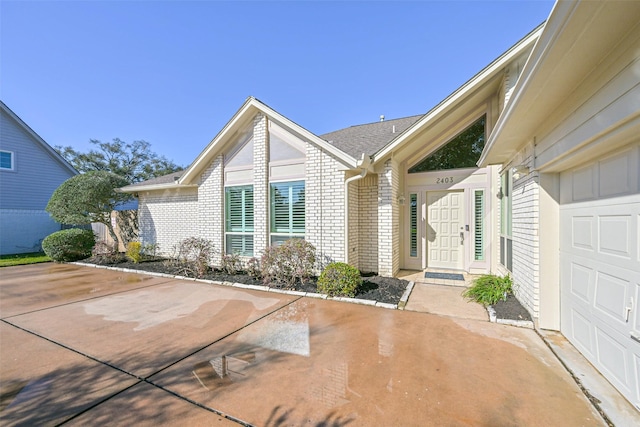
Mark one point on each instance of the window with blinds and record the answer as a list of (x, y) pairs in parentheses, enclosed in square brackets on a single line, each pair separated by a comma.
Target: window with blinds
[(239, 220), (478, 225), (413, 225), (287, 211)]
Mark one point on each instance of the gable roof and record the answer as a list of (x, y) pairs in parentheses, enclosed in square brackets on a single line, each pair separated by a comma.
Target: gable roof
[(368, 138), (47, 148)]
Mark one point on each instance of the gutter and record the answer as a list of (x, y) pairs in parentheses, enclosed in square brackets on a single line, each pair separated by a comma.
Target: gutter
[(364, 163)]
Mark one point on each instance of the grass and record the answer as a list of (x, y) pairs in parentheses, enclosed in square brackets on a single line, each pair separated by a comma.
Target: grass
[(489, 289), (23, 259)]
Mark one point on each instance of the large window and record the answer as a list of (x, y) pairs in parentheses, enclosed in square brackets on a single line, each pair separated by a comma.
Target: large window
[(506, 242), (463, 151), (6, 160), (239, 220), (287, 211)]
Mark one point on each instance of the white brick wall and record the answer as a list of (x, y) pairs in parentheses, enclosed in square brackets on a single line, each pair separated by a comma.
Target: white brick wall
[(211, 206), (388, 220), (324, 205), (166, 217), (354, 227), (260, 184), (368, 224), (525, 234)]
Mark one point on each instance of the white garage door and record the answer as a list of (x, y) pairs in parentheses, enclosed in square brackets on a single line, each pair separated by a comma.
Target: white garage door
[(600, 266)]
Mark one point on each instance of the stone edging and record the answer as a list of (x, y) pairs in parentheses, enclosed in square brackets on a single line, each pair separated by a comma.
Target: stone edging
[(518, 323), (399, 306)]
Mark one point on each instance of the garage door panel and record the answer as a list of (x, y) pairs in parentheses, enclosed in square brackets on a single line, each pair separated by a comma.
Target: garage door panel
[(582, 232), (581, 331), (612, 296), (581, 282), (614, 235), (614, 357)]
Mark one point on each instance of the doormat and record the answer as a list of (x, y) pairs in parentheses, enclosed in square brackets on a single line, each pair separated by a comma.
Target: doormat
[(445, 276)]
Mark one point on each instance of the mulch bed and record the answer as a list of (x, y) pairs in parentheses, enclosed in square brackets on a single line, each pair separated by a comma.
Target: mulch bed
[(376, 288), (511, 309)]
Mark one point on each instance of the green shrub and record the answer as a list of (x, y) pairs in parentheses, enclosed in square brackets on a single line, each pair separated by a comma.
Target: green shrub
[(134, 251), (69, 245), (489, 289), (339, 279), (288, 263)]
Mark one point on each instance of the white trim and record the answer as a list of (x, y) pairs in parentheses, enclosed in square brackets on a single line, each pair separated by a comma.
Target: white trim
[(12, 168)]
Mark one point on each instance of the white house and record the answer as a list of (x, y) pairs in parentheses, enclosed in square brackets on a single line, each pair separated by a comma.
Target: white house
[(30, 171), (531, 168)]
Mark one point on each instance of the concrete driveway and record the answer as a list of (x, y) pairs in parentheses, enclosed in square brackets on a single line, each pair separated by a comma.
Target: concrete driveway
[(85, 346)]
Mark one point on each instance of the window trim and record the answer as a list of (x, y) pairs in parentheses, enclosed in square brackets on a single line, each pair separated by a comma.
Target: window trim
[(13, 161), (479, 210), (291, 233), (247, 231)]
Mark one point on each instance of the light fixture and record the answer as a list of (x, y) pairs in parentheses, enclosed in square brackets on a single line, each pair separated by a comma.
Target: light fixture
[(401, 200), (519, 171)]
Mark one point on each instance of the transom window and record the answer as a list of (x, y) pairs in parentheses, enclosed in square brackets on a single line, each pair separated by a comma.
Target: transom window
[(6, 160), (463, 151), (239, 220), (287, 211)]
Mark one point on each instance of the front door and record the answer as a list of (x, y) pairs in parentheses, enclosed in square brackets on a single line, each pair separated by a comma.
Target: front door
[(445, 232)]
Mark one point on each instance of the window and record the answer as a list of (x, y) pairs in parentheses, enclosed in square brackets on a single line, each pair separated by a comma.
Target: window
[(463, 151), (478, 225), (239, 220), (506, 242), (413, 225), (6, 160), (287, 211)]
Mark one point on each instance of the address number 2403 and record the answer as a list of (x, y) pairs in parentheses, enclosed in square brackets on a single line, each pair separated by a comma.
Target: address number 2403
[(445, 180)]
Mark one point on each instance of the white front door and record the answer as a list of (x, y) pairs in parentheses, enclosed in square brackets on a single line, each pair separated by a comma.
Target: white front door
[(445, 229)]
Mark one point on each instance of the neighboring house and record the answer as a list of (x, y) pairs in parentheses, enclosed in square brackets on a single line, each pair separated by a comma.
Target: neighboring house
[(30, 171), (531, 168), (569, 143)]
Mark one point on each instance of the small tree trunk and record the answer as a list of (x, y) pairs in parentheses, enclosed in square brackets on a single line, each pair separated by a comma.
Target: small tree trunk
[(113, 235)]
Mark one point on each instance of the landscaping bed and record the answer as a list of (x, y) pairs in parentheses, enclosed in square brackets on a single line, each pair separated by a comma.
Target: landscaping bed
[(375, 288), (511, 309)]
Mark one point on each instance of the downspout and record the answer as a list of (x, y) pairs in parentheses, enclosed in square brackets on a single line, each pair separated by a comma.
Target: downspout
[(363, 164)]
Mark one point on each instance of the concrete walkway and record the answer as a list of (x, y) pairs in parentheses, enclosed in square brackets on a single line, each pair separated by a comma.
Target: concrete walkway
[(89, 346)]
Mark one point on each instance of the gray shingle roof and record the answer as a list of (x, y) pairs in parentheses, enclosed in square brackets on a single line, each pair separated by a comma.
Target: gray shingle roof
[(368, 138)]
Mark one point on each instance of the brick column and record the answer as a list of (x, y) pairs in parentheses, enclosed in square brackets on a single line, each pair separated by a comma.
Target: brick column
[(260, 184)]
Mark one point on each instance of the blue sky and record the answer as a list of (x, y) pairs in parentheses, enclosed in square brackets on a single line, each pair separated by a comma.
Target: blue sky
[(173, 73)]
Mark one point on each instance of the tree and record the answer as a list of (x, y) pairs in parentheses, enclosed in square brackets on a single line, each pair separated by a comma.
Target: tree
[(87, 198), (133, 161)]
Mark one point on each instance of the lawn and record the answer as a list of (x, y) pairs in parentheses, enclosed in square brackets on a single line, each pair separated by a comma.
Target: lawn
[(22, 259)]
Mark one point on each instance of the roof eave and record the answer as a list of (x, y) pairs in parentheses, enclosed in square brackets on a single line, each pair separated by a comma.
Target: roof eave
[(155, 187)]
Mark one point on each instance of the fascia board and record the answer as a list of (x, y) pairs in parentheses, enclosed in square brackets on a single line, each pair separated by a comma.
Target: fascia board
[(154, 187), (558, 19), (204, 157), (461, 93), (38, 139)]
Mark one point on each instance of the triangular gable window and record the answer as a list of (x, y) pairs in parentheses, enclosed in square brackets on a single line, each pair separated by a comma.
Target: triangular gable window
[(463, 151)]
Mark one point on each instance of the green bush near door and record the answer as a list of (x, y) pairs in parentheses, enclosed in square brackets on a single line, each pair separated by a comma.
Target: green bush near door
[(489, 289)]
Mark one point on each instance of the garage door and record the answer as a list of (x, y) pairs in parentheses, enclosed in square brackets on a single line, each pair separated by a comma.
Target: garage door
[(600, 266)]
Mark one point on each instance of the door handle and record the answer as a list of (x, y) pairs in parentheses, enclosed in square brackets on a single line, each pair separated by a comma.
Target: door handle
[(462, 237)]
